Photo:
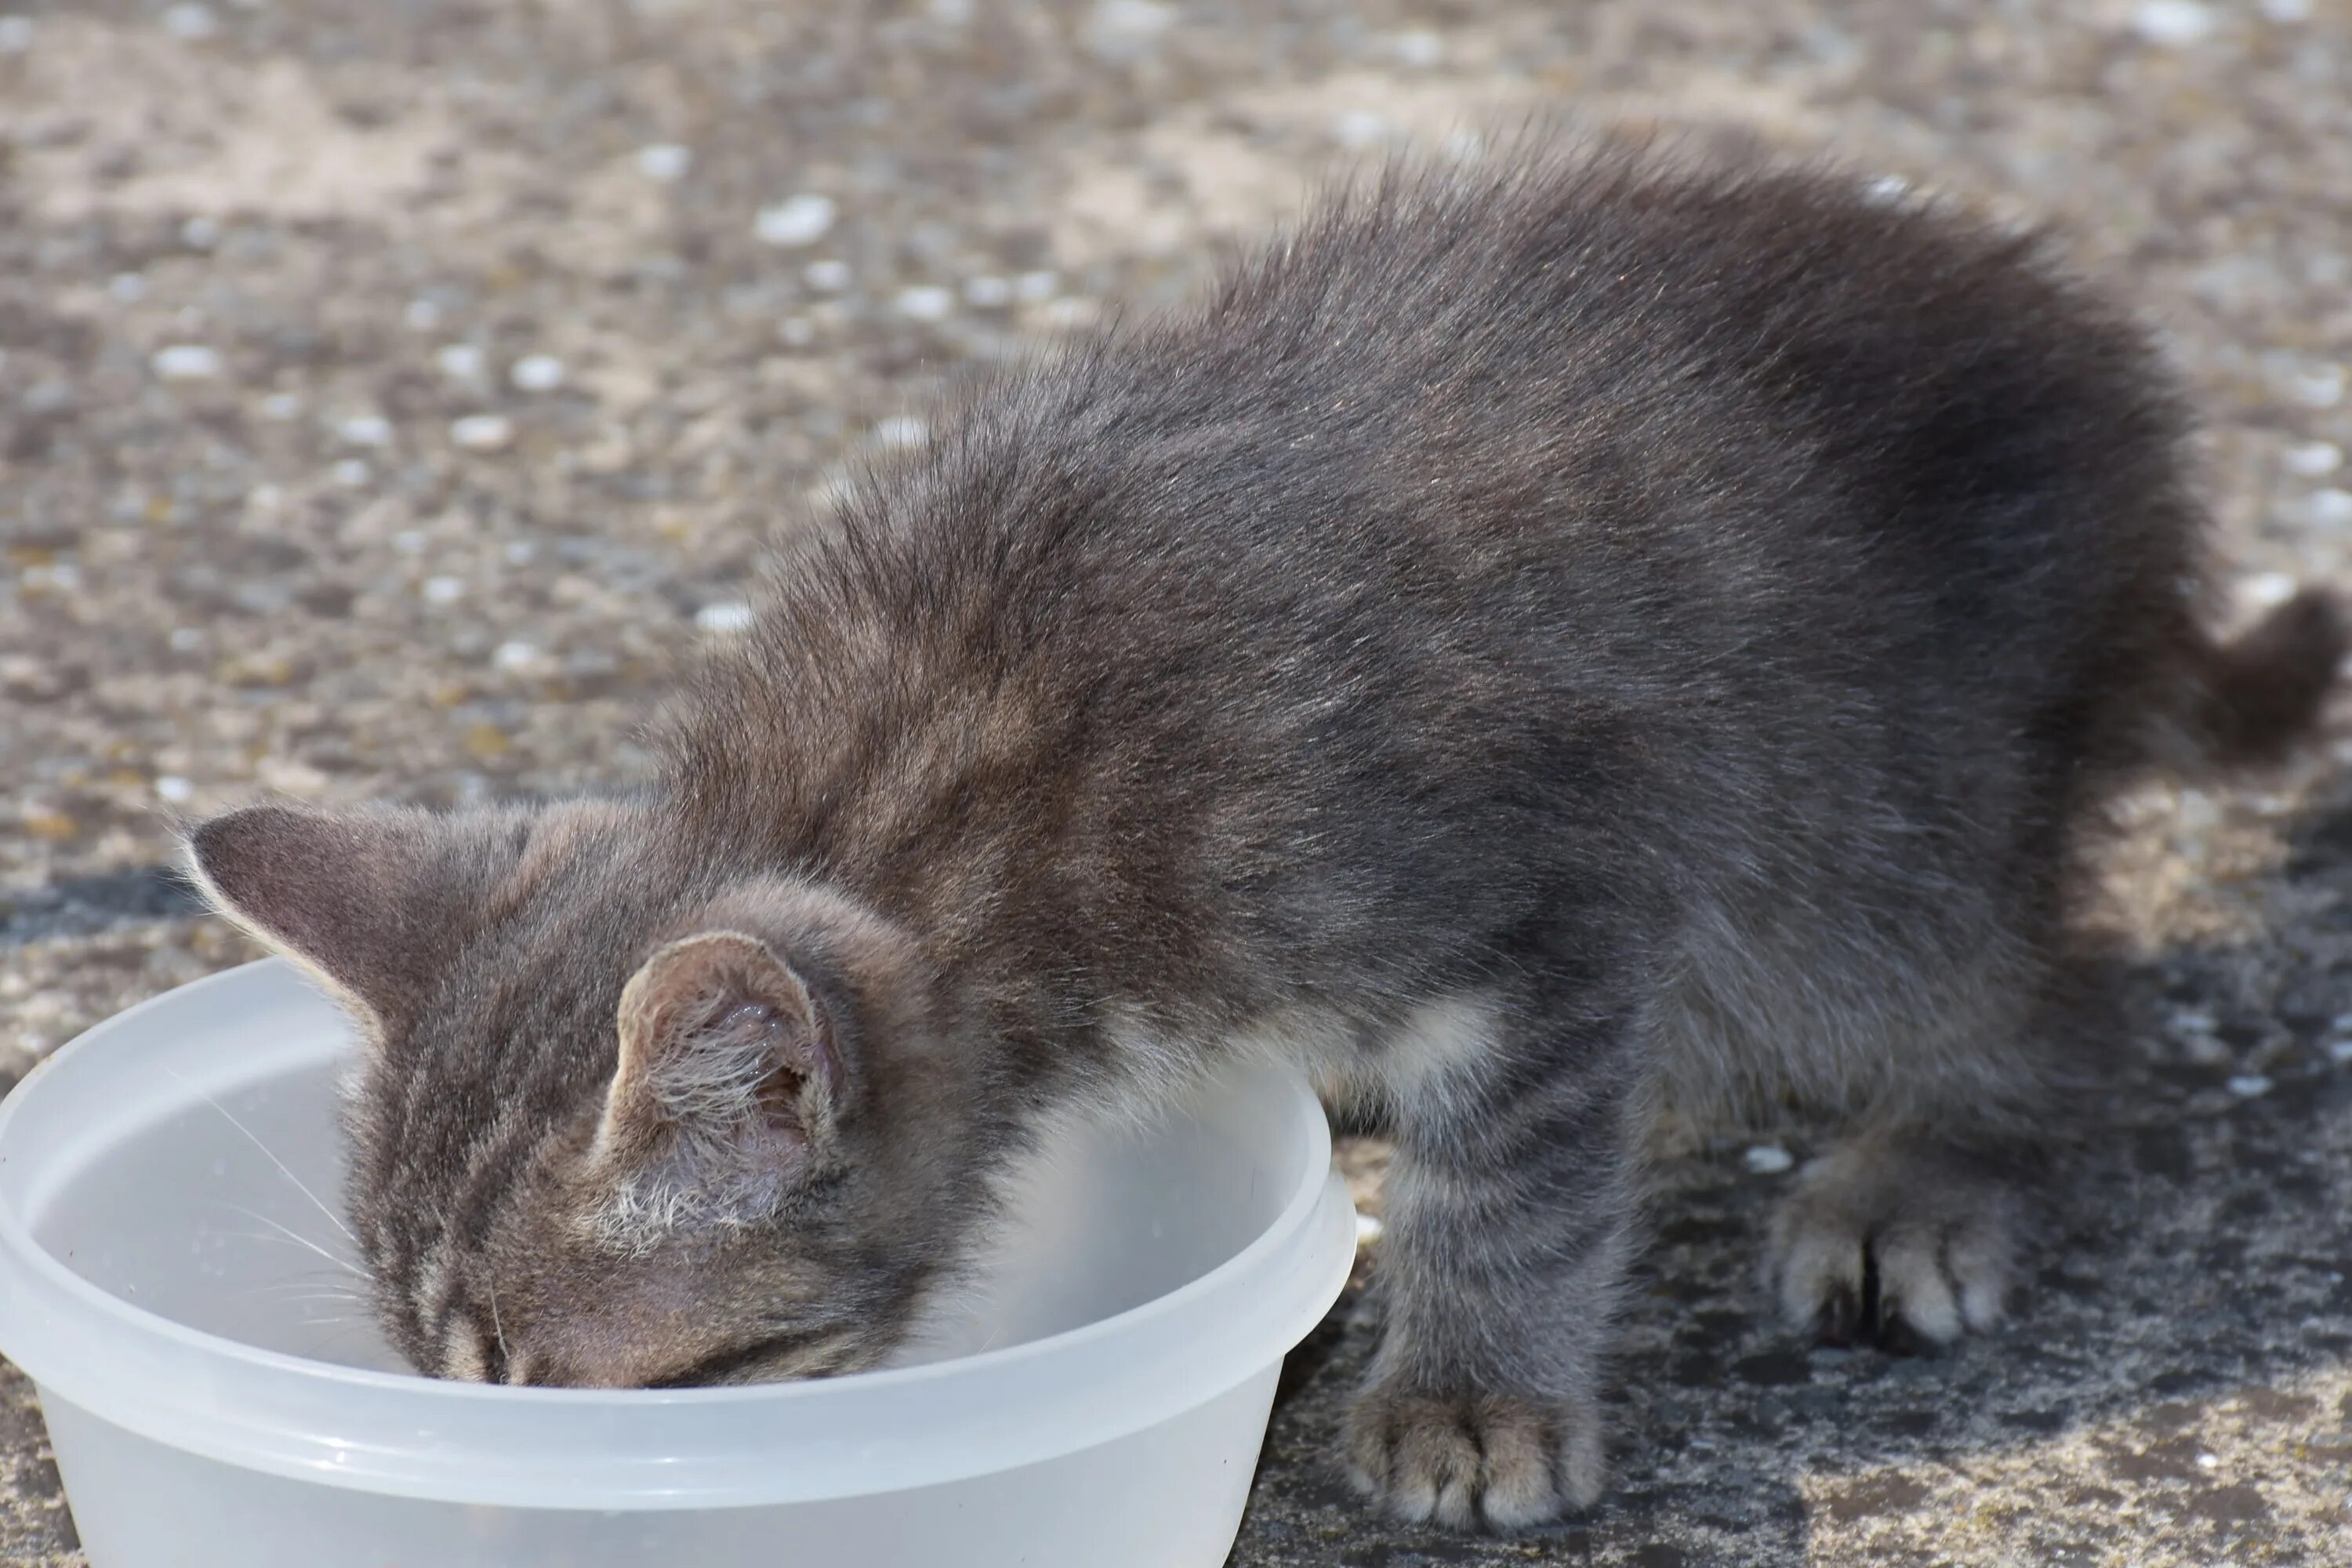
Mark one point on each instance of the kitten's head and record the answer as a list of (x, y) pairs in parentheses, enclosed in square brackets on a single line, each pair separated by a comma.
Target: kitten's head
[(625, 1119)]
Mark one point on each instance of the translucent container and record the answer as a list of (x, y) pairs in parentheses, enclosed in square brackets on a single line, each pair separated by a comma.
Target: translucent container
[(219, 1398)]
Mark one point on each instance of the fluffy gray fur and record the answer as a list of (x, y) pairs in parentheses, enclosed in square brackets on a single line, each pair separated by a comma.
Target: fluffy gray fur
[(1537, 644)]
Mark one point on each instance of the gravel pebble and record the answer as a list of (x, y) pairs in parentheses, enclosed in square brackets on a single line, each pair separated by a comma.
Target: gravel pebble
[(1769, 1159), (2267, 590), (926, 303), (796, 221), (187, 361), (2174, 21), (725, 617), (2329, 507), (482, 432), (2313, 460), (904, 431), (190, 22), (459, 362), (536, 372), (665, 163)]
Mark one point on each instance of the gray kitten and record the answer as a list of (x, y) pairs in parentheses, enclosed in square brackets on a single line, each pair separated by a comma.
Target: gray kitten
[(1538, 645)]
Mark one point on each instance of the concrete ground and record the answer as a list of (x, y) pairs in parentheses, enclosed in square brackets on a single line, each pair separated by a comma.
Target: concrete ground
[(391, 396)]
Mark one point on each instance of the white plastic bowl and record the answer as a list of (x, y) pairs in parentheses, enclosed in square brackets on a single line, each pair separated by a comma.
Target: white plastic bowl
[(211, 1408)]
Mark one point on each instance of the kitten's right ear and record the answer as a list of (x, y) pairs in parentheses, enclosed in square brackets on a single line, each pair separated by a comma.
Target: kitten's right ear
[(725, 1052), (349, 895)]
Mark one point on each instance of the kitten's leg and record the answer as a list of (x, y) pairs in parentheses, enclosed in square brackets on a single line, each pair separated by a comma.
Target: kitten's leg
[(1508, 1225), (1900, 1237)]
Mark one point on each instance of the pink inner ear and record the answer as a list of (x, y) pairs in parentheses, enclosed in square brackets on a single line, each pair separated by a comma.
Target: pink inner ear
[(723, 1048)]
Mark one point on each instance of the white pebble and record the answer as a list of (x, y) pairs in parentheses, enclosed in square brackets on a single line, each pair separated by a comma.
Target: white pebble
[(2174, 21), (2249, 1086), (190, 22), (665, 161), (2313, 460), (127, 287), (353, 472), (2287, 10), (365, 430), (15, 35), (482, 432), (411, 540), (1359, 128), (2267, 590), (187, 361), (422, 315), (200, 234), (515, 656), (1069, 314), (444, 590), (1119, 26), (264, 498), (726, 617), (832, 277), (926, 303), (2209, 1461), (903, 431), (1038, 287), (1888, 191), (536, 372), (795, 221), (2321, 386), (2340, 1050), (282, 406), (459, 362), (2329, 507), (1769, 1159), (1368, 1227), (1421, 47), (173, 788), (987, 293)]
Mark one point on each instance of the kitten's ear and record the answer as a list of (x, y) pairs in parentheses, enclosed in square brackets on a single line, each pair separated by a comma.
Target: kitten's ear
[(358, 897), (726, 1053)]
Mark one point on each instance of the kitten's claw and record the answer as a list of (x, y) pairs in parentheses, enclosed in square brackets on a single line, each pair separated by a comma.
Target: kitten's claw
[(1497, 1461), (1907, 1249), (1838, 1316)]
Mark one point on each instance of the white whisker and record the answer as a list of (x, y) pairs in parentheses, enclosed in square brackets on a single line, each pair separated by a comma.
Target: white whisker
[(346, 1265), (506, 1356), (289, 1175)]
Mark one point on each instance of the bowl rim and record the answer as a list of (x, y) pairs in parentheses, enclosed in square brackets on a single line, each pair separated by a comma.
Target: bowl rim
[(1294, 1297)]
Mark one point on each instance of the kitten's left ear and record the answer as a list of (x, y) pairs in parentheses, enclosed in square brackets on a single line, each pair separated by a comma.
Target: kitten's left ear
[(364, 898), (726, 1053)]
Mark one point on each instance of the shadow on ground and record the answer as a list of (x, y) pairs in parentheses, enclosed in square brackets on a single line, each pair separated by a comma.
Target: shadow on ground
[(2176, 1386)]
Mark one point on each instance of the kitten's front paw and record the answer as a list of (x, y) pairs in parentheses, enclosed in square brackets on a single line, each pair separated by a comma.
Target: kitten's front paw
[(1503, 1461)]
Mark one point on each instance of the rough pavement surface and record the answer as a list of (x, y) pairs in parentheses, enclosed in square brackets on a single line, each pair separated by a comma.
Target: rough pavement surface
[(390, 396)]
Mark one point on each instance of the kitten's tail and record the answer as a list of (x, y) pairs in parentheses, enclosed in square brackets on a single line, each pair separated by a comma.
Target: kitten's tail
[(2258, 694)]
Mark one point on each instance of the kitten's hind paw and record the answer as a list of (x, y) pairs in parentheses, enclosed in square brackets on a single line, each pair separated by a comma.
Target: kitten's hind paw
[(1497, 1461), (1906, 1249)]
